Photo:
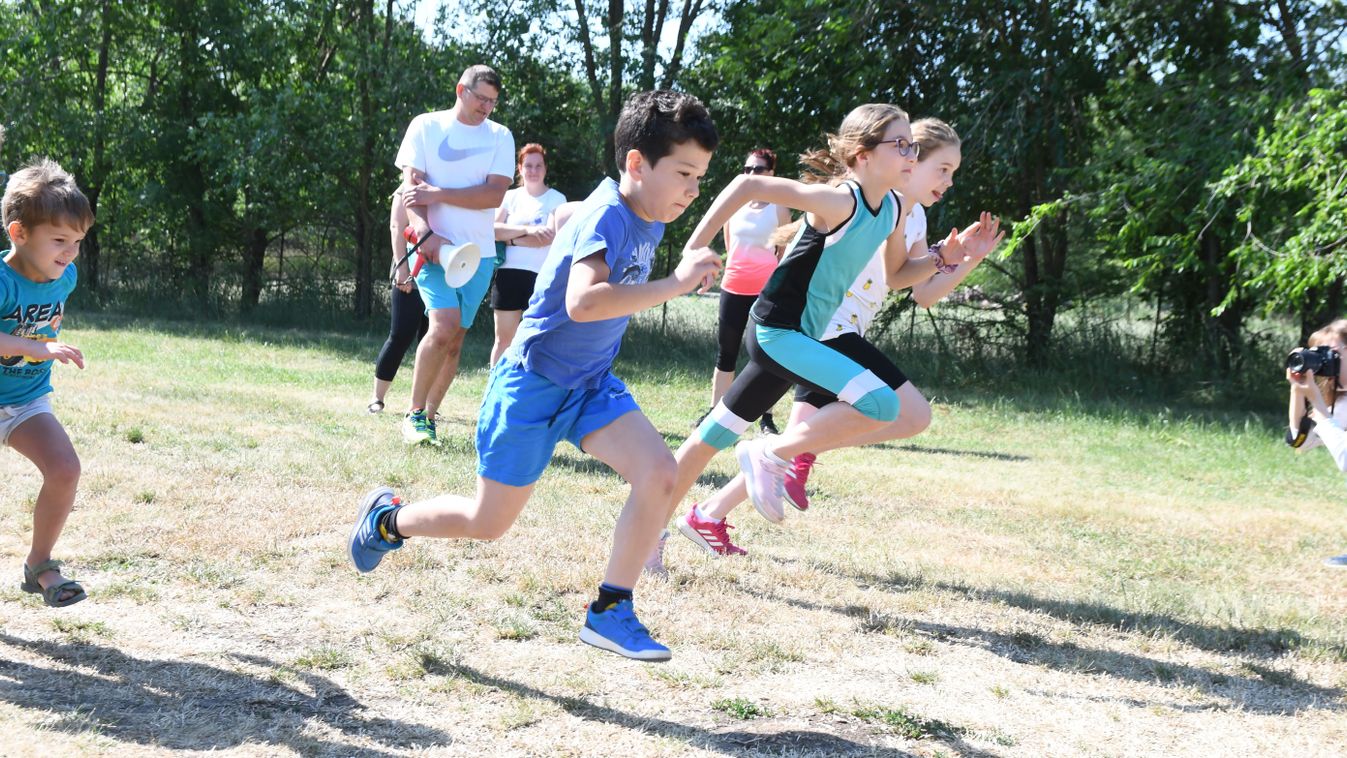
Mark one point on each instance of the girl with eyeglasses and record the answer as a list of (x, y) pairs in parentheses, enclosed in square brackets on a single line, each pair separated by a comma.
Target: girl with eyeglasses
[(851, 207), (939, 157), (750, 261)]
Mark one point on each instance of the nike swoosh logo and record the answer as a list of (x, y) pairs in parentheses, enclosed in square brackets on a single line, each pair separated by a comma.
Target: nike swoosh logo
[(450, 154)]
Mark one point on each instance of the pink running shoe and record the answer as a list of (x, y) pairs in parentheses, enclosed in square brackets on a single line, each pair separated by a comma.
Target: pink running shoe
[(711, 536), (795, 480), (765, 477)]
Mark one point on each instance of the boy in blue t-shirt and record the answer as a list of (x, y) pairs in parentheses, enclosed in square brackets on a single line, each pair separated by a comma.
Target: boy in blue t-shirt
[(46, 217), (556, 381)]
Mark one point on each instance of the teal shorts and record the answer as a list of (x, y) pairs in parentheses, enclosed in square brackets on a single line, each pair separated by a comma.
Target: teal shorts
[(467, 299), (524, 415)]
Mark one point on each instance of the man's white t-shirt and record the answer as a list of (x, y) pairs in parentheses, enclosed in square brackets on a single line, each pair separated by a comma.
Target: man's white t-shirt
[(523, 209), (454, 155), (866, 295)]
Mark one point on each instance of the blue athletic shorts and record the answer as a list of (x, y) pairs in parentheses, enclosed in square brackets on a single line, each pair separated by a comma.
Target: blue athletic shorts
[(524, 415), (467, 299)]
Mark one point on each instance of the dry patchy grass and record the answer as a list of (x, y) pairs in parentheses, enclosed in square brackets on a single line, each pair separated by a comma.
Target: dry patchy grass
[(1018, 582)]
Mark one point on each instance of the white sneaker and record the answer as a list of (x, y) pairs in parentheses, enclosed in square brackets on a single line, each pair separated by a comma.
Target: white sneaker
[(766, 478), (655, 563)]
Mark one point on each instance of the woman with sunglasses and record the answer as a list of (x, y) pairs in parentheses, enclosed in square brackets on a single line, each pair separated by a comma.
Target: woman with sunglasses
[(751, 260)]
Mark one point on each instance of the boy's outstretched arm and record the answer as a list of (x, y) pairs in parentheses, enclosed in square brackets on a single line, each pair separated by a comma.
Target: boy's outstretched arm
[(591, 297)]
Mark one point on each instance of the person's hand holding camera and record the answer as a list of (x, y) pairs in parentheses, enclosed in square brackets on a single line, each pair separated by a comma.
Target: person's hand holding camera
[(1304, 386)]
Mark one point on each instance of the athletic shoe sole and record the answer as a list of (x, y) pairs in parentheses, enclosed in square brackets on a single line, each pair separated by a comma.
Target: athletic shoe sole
[(361, 512), (743, 452), (591, 637)]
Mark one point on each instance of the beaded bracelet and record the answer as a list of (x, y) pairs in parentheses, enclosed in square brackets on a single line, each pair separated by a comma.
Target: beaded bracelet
[(940, 265)]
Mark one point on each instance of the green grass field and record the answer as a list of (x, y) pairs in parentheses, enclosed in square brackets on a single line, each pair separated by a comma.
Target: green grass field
[(1037, 575)]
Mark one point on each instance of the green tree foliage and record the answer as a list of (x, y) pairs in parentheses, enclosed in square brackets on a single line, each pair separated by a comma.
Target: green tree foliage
[(1183, 153), (1291, 199)]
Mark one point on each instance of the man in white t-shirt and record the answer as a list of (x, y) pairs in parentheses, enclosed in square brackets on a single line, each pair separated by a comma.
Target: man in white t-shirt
[(456, 166)]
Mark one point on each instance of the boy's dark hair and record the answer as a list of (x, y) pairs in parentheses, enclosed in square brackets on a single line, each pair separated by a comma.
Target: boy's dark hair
[(43, 193), (653, 122)]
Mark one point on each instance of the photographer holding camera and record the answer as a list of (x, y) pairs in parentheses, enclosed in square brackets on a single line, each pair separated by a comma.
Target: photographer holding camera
[(1313, 373)]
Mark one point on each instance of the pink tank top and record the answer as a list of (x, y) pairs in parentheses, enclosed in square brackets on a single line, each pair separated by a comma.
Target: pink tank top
[(751, 262)]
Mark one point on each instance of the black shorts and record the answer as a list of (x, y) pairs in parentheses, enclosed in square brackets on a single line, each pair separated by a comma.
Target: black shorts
[(855, 347), (512, 289)]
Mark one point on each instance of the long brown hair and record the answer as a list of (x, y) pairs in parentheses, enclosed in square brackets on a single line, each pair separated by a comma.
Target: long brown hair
[(861, 130)]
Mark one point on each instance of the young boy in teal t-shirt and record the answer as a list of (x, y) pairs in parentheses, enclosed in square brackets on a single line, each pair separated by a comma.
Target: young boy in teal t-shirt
[(46, 216)]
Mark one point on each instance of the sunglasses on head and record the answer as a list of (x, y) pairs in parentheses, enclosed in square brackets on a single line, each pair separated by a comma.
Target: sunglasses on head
[(756, 169)]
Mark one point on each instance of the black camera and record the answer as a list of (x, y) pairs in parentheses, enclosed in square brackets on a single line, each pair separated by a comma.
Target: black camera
[(1323, 360)]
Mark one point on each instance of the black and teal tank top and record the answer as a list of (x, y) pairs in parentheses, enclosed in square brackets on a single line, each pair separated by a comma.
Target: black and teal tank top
[(812, 278)]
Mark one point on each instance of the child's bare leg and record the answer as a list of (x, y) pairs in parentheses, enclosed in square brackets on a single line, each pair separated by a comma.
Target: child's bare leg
[(725, 499), (914, 417), (486, 517), (633, 448), (831, 427), (42, 440), (692, 459)]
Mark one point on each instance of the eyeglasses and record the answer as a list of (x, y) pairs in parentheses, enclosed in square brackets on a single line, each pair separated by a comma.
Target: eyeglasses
[(489, 102), (906, 148), (756, 169)]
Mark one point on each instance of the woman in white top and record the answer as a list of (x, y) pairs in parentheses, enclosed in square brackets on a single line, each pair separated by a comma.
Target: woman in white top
[(751, 261), (524, 224), (1321, 425)]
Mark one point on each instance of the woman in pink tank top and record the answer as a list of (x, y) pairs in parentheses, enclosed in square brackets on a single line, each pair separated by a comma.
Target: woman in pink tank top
[(751, 261)]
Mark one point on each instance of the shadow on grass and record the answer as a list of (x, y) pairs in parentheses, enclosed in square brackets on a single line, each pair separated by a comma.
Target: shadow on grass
[(181, 705), (1267, 691), (986, 454), (726, 741), (1264, 643)]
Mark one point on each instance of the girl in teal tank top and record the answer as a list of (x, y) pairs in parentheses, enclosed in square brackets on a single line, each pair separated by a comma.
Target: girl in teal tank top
[(851, 206)]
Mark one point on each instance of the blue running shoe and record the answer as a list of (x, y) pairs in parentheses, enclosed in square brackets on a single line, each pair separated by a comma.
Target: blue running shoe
[(617, 630), (366, 545), (1337, 561)]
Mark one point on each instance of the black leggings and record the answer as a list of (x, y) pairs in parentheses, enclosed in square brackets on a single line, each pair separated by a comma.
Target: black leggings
[(730, 334), (408, 324)]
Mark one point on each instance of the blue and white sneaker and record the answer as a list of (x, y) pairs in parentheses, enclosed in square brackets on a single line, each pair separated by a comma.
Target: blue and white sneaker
[(366, 545), (617, 630), (1337, 561)]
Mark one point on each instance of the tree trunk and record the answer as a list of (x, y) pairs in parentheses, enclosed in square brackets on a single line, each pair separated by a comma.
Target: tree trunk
[(91, 248), (364, 268), (254, 268)]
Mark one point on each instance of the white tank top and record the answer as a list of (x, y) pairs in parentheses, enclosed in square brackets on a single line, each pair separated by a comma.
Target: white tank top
[(753, 226)]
